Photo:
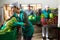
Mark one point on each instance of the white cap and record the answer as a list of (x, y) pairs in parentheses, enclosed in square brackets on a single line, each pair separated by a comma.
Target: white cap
[(16, 4)]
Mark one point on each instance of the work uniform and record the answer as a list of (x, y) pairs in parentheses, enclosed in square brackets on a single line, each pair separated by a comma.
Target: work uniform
[(27, 30), (19, 29), (38, 17), (31, 13), (46, 13)]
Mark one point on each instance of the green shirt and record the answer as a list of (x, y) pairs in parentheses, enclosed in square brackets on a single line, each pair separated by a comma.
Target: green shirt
[(27, 30)]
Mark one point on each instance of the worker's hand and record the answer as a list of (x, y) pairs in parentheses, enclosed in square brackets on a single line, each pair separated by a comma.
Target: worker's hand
[(25, 24)]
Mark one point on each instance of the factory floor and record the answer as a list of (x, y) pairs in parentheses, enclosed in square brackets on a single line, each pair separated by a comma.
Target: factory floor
[(37, 36), (53, 33)]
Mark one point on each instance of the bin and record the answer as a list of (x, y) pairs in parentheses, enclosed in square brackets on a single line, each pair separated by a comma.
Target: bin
[(9, 35)]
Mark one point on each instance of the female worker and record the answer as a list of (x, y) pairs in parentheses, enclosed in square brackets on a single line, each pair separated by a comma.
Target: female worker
[(44, 20), (23, 22)]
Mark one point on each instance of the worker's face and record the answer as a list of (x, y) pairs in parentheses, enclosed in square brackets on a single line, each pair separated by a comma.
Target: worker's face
[(28, 7), (47, 8), (14, 9), (18, 10)]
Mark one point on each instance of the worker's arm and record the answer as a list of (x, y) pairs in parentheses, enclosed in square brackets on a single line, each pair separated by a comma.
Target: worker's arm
[(19, 24)]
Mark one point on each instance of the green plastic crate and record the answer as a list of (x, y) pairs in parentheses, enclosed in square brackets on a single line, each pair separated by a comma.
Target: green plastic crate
[(9, 35)]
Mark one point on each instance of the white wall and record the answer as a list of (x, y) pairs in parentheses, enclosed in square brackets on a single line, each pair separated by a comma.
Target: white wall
[(59, 16), (59, 13), (51, 3)]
